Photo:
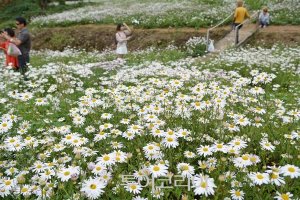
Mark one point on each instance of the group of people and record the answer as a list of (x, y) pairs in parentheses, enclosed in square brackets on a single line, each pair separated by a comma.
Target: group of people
[(22, 40), (19, 39), (241, 14), (124, 32)]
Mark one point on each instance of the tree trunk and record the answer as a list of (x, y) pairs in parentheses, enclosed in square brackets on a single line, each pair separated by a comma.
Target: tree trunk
[(43, 4), (62, 2)]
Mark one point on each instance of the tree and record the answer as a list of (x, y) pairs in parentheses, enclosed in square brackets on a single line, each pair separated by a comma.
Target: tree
[(43, 4), (62, 2)]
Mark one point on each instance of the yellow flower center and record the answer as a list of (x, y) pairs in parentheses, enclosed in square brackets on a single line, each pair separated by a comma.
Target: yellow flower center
[(156, 168), (98, 168), (170, 133), (274, 176), (133, 187), (285, 197), (101, 133), (8, 182), (259, 176), (106, 158), (245, 157), (67, 173), (291, 169), (24, 189), (93, 186), (203, 185), (253, 159), (237, 193)]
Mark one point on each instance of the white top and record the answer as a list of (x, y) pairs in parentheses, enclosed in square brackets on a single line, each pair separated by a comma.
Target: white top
[(264, 17), (122, 42)]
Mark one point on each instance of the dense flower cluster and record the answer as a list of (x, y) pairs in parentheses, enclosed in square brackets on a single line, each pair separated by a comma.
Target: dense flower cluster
[(72, 131), (168, 13), (151, 13)]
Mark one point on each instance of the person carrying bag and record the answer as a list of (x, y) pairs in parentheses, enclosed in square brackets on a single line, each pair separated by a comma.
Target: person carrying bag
[(11, 50)]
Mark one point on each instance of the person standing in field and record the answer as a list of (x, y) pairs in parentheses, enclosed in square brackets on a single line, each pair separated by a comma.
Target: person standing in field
[(240, 14), (264, 18), (122, 36), (23, 41), (4, 44)]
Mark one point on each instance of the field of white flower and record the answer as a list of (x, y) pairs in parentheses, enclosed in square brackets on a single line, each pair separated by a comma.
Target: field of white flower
[(159, 126), (166, 13)]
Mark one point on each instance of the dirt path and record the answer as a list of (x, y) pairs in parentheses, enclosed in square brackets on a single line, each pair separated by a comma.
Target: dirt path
[(289, 35), (101, 36)]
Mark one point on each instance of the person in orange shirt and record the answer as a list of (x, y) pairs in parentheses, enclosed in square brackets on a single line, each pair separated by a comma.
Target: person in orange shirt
[(240, 14), (10, 60)]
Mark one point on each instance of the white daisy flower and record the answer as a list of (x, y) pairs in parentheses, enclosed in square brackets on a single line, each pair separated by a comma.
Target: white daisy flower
[(205, 150), (93, 188), (283, 196), (203, 184), (133, 187), (185, 169), (290, 170), (237, 194), (158, 170), (259, 178)]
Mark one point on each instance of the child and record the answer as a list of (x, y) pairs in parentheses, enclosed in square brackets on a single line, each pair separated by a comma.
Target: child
[(121, 38), (264, 18), (240, 14), (10, 60)]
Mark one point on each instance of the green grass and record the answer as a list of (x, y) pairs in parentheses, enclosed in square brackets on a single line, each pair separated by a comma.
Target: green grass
[(130, 90), (29, 9)]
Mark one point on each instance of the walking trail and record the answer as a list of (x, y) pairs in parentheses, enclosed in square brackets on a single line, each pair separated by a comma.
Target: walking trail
[(229, 40)]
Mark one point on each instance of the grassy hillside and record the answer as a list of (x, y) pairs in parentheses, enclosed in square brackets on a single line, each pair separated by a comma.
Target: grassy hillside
[(11, 9)]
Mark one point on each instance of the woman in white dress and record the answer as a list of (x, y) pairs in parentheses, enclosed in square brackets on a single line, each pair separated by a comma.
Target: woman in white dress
[(122, 36)]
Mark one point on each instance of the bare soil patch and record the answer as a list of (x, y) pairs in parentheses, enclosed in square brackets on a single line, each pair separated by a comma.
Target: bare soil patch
[(99, 37), (289, 35)]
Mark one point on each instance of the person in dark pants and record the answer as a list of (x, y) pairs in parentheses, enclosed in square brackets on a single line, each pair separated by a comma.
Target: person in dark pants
[(240, 14), (23, 41)]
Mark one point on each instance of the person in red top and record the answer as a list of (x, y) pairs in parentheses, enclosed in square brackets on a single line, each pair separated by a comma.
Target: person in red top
[(10, 60)]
